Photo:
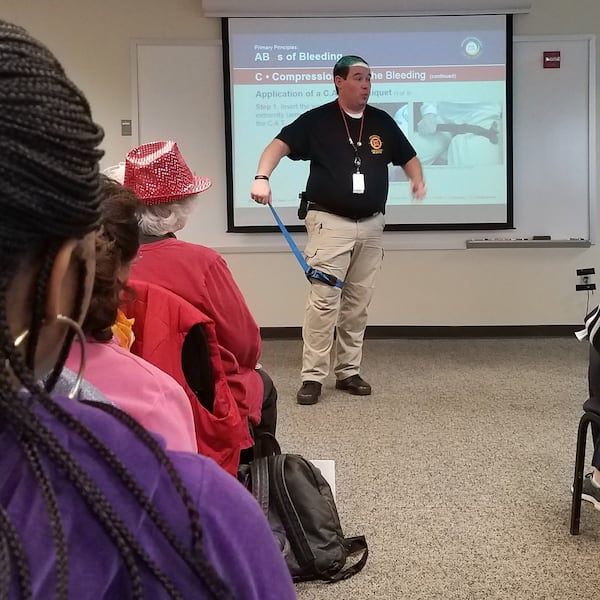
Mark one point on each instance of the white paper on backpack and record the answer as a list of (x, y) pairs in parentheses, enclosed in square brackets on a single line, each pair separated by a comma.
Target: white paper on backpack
[(327, 468)]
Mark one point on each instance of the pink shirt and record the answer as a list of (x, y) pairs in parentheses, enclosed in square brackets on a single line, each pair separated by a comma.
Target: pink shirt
[(140, 389)]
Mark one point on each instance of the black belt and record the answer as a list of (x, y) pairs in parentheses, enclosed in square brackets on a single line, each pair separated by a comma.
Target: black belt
[(315, 206)]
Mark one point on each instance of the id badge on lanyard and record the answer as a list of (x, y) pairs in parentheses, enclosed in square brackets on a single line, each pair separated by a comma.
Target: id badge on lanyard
[(358, 178), (358, 183)]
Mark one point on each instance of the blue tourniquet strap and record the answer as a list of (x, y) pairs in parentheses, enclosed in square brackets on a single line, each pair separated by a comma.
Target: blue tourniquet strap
[(310, 272)]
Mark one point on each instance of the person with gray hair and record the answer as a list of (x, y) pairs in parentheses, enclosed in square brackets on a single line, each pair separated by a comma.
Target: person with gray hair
[(349, 145), (158, 220), (168, 190)]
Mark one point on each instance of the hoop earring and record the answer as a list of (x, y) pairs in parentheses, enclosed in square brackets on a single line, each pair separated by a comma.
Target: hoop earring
[(18, 341), (74, 391), (20, 338)]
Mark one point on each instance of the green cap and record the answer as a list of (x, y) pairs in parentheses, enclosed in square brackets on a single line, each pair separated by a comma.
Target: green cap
[(347, 62)]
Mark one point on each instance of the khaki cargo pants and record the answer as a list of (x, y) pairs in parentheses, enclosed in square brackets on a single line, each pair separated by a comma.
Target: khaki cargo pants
[(352, 251)]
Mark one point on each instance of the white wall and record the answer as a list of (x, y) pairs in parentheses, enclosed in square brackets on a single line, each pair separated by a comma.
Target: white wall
[(416, 287)]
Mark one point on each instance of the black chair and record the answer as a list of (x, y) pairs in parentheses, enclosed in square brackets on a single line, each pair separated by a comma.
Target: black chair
[(591, 414)]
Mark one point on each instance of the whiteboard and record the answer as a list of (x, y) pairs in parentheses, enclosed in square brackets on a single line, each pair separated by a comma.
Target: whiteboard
[(554, 138), (177, 91)]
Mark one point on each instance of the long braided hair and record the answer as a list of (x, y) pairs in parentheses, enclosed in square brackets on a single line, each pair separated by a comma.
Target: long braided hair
[(49, 193)]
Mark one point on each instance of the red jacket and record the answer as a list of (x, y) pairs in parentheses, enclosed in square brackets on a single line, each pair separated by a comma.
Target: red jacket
[(201, 276), (162, 321)]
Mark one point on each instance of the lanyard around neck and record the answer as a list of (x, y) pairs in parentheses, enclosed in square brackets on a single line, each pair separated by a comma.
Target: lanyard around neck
[(362, 122)]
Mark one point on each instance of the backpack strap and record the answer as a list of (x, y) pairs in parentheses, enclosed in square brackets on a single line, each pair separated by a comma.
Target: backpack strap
[(287, 513), (353, 545), (259, 474), (266, 444)]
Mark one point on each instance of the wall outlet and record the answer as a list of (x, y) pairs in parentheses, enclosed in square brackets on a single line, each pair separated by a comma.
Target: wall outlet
[(585, 280)]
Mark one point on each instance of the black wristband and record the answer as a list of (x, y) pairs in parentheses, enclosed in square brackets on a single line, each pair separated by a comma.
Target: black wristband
[(265, 177)]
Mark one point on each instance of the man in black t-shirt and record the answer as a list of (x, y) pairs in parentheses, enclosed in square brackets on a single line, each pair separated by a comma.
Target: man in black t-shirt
[(349, 145)]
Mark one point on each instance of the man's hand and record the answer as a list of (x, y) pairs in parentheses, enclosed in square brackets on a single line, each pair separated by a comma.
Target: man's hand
[(261, 191), (418, 189)]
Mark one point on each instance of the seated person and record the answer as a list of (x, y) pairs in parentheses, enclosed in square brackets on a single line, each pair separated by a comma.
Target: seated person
[(143, 391), (166, 187), (92, 506), (591, 482)]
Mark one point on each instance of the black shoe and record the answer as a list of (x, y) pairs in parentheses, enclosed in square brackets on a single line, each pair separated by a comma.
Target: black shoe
[(309, 392), (354, 384)]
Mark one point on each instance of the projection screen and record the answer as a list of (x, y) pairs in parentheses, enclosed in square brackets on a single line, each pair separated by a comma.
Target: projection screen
[(445, 80)]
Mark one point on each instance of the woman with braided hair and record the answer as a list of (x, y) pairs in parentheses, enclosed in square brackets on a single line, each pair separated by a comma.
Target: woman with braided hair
[(91, 506)]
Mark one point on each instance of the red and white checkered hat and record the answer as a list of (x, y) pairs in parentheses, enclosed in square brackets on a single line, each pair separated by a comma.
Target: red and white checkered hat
[(158, 174)]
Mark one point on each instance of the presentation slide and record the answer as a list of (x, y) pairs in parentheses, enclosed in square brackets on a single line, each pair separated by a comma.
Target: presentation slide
[(445, 80)]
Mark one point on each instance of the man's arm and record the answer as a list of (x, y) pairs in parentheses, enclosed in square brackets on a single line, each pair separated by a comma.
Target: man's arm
[(261, 190), (415, 173)]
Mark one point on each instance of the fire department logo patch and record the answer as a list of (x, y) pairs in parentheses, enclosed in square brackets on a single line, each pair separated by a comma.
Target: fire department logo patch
[(376, 144)]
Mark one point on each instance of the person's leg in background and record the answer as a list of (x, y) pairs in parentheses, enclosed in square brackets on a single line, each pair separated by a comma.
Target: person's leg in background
[(268, 416), (268, 419), (591, 482), (470, 149), (330, 243), (431, 148), (357, 293)]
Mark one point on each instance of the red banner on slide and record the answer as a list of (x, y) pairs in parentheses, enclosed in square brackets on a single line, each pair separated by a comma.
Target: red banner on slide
[(311, 75)]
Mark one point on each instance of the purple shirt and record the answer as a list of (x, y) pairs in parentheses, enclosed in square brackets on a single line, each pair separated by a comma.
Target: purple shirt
[(236, 537)]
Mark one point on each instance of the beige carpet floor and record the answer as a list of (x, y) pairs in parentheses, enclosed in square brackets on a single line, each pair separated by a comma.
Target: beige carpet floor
[(457, 469)]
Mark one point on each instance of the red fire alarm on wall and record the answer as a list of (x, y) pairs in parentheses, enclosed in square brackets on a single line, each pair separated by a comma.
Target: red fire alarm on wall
[(552, 59)]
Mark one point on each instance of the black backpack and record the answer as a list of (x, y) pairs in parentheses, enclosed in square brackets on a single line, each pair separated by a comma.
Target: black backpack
[(301, 511)]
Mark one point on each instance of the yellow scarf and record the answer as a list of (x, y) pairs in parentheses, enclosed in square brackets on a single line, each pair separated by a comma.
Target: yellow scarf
[(123, 330)]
